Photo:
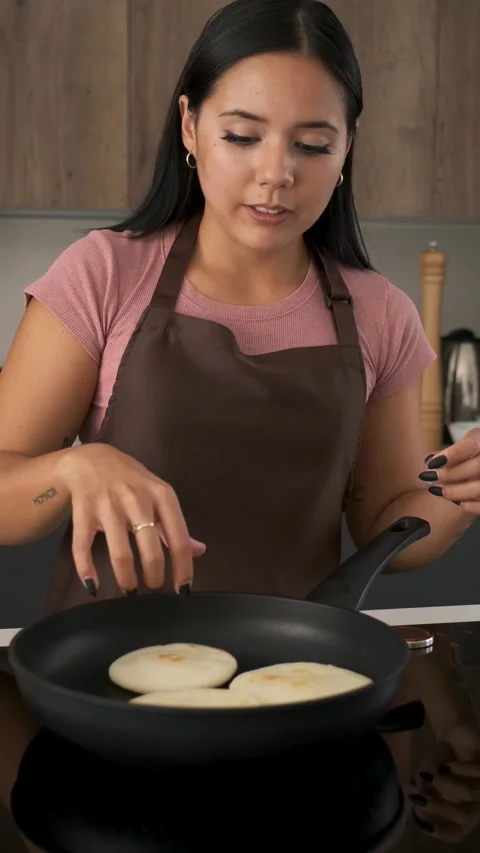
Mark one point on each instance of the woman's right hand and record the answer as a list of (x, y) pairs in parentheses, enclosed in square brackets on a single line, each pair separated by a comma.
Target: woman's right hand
[(110, 493)]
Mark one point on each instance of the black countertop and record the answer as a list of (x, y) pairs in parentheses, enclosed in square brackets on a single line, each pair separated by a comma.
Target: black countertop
[(382, 792)]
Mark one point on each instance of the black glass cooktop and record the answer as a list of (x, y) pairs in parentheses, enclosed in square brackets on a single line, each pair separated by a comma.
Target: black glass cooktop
[(412, 785)]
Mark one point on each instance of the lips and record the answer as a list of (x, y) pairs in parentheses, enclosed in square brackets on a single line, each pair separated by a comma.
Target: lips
[(269, 209), (268, 214)]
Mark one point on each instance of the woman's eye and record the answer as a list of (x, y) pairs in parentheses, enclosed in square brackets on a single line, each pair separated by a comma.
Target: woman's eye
[(244, 141), (239, 140), (314, 149)]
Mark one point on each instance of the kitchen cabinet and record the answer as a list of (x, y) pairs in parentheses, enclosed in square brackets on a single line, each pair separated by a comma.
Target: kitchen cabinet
[(161, 34), (420, 132), (396, 50), (88, 83), (458, 111), (63, 109)]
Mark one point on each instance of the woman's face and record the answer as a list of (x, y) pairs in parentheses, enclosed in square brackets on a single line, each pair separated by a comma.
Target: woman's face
[(273, 135)]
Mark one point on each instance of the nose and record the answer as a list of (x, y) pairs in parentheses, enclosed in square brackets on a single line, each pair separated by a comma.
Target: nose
[(276, 168)]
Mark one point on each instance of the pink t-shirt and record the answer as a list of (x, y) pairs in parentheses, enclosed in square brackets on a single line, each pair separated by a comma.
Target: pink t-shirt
[(99, 286)]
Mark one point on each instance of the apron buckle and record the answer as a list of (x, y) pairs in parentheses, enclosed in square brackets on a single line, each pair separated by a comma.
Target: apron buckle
[(330, 299)]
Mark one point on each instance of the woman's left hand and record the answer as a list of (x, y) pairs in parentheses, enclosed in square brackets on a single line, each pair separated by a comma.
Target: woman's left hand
[(446, 791), (454, 473)]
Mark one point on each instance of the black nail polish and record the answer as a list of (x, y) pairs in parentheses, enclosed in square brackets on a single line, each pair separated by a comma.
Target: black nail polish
[(444, 769), (428, 476), (427, 777), (439, 462), (437, 491), (423, 824), (185, 590), (129, 593), (418, 800), (427, 458), (89, 584)]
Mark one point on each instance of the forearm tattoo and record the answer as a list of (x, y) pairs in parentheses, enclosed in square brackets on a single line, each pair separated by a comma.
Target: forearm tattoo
[(45, 496), (52, 492)]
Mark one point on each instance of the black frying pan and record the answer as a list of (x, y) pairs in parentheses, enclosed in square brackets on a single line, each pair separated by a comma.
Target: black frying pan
[(61, 664)]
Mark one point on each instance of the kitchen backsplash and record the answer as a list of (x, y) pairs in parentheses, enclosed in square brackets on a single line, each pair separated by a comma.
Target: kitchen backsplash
[(29, 244)]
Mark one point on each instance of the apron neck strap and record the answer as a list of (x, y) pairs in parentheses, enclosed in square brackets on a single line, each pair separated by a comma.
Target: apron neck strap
[(171, 278), (339, 300), (337, 295)]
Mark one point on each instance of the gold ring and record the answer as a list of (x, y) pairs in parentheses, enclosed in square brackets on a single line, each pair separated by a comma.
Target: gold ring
[(137, 527)]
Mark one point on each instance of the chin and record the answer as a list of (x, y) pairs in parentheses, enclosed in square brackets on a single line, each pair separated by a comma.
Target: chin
[(265, 238)]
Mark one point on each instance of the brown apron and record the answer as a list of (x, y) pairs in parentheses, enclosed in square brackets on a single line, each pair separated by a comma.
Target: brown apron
[(259, 449)]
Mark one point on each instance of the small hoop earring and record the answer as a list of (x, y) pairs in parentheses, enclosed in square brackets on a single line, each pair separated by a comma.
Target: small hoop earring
[(340, 180), (189, 161)]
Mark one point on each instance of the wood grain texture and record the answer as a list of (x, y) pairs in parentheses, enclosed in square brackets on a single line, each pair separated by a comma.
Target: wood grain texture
[(64, 113), (396, 48), (161, 35), (85, 86), (458, 127)]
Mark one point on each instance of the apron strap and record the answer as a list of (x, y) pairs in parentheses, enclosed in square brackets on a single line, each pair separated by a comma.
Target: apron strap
[(339, 300), (337, 295), (171, 278)]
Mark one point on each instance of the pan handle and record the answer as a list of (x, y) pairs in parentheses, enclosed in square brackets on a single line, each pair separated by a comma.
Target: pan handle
[(348, 585)]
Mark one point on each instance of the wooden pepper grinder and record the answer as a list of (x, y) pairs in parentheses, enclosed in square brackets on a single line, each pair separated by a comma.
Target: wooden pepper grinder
[(432, 269)]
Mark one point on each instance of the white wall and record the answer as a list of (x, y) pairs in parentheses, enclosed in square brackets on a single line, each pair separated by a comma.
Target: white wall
[(29, 244)]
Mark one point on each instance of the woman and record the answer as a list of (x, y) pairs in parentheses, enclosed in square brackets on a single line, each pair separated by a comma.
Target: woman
[(237, 371)]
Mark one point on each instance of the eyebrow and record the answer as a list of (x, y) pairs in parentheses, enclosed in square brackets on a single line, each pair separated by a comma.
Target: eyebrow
[(320, 125)]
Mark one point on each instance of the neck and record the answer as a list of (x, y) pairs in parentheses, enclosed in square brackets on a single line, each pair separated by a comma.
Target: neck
[(230, 272)]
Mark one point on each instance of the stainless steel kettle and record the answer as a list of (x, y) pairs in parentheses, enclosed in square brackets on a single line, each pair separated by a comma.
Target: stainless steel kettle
[(461, 376)]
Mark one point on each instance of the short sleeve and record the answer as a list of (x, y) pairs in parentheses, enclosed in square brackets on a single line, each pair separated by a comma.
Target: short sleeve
[(405, 351), (80, 289)]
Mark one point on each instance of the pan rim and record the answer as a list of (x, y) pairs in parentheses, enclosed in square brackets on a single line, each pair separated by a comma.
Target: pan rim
[(70, 694)]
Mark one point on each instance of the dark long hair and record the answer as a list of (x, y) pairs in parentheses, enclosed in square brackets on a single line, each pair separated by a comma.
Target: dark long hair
[(240, 30)]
